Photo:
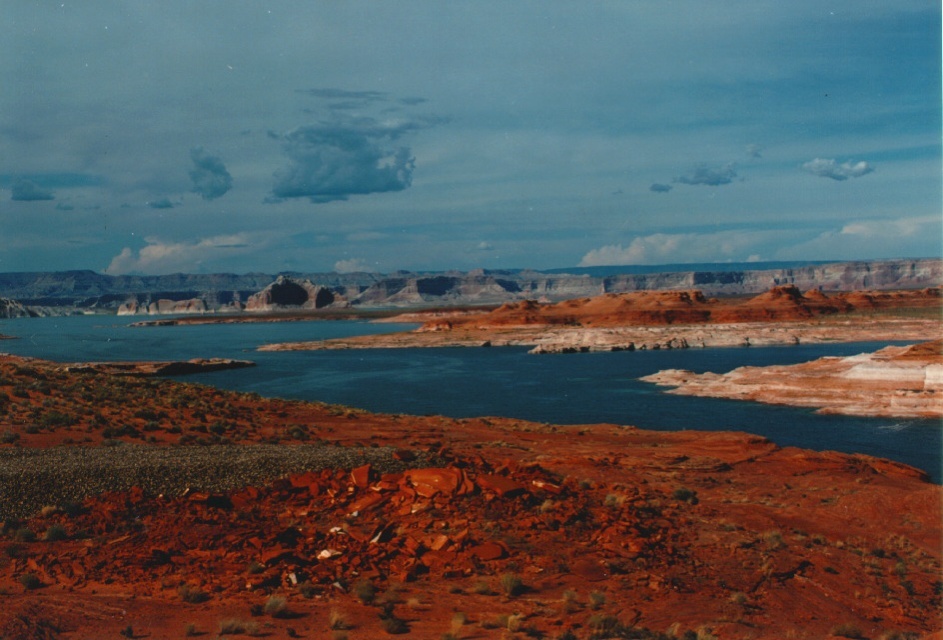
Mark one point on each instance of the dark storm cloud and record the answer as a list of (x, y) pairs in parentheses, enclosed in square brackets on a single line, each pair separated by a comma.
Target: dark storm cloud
[(209, 175), (28, 191), (332, 161), (329, 162), (163, 203), (703, 174), (657, 187), (829, 168)]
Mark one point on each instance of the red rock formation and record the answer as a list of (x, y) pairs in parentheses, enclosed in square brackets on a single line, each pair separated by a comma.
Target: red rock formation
[(781, 303)]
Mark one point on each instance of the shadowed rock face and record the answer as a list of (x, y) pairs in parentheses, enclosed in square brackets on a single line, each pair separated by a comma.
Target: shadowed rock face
[(288, 293)]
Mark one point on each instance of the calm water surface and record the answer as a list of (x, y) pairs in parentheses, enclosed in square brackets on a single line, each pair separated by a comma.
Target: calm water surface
[(562, 389)]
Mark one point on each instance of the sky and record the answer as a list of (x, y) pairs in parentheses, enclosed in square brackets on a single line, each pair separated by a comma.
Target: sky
[(222, 136)]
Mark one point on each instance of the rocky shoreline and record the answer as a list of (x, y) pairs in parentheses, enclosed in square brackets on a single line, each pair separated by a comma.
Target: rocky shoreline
[(895, 382), (544, 339)]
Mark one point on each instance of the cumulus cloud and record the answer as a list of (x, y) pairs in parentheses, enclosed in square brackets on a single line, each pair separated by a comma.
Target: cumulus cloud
[(702, 174), (915, 236), (334, 161), (658, 187), (159, 257), (669, 248), (829, 168), (28, 191), (209, 175), (485, 246), (354, 265)]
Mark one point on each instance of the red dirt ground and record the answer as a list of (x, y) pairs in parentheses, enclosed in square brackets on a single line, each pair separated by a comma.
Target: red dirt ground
[(609, 529)]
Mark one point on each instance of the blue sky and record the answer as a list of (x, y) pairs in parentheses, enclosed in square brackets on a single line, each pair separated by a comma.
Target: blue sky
[(143, 137)]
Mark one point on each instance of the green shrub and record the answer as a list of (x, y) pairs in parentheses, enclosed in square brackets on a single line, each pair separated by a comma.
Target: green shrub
[(277, 607), (55, 533), (192, 595), (24, 535), (512, 584), (365, 591), (596, 600)]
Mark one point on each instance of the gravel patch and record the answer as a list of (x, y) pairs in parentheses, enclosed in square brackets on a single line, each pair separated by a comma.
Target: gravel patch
[(33, 478)]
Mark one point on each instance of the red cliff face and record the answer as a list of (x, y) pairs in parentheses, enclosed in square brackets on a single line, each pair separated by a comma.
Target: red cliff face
[(781, 303), (515, 525)]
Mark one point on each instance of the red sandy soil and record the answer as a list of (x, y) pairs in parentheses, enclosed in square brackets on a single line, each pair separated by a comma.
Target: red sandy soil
[(609, 529), (900, 382)]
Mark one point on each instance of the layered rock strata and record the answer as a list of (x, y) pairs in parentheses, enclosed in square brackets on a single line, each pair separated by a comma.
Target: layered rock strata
[(899, 382)]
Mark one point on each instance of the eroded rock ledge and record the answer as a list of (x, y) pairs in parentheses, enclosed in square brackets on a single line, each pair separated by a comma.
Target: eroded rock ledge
[(900, 382), (160, 368)]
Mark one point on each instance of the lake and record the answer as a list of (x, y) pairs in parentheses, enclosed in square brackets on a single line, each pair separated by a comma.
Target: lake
[(467, 382)]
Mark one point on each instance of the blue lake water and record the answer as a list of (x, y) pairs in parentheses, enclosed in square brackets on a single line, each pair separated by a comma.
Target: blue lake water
[(459, 382)]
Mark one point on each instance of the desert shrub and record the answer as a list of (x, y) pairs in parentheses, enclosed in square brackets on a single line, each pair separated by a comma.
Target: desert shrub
[(394, 625), (847, 630), (482, 588), (24, 534), (192, 595), (55, 533), (127, 632), (336, 620), (596, 600), (276, 606), (603, 626), (9, 437), (512, 584), (307, 590), (774, 540), (683, 494), (190, 631), (255, 568), (15, 551), (30, 581), (54, 419), (365, 591), (738, 597), (231, 627)]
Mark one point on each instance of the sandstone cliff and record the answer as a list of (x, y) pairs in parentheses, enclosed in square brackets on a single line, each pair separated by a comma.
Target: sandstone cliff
[(88, 290), (289, 293)]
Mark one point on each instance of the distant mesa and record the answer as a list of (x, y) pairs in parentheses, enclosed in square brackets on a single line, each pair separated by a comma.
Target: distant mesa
[(286, 293), (66, 292), (780, 303)]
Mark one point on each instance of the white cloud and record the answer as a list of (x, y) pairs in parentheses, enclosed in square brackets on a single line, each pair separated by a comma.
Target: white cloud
[(913, 237), (171, 257), (667, 248), (829, 168), (354, 265)]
